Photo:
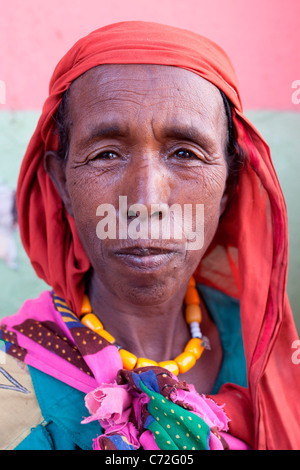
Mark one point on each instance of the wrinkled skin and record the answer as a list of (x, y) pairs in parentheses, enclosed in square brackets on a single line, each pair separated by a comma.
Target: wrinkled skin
[(155, 134)]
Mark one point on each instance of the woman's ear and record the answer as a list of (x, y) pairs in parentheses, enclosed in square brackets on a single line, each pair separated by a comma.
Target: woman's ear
[(55, 167), (224, 202), (228, 195)]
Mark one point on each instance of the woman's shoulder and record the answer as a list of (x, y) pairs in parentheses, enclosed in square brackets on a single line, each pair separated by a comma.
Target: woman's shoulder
[(19, 408), (39, 412)]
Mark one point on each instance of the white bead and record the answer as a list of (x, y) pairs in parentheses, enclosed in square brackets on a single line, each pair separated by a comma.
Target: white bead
[(195, 330)]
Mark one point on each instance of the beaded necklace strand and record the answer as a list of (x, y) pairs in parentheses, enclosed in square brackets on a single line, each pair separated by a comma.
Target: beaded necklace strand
[(182, 363)]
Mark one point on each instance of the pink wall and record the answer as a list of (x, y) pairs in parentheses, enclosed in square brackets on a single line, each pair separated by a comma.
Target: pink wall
[(262, 37)]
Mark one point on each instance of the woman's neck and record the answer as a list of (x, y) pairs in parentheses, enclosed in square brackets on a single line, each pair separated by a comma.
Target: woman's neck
[(157, 331)]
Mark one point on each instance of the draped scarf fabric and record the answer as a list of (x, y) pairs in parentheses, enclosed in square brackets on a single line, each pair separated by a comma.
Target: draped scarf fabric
[(247, 258), (147, 407)]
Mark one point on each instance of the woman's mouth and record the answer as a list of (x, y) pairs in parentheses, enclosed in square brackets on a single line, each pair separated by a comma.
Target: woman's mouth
[(145, 258)]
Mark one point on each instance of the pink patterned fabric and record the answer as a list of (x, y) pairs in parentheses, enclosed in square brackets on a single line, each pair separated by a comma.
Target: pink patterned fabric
[(55, 342), (122, 408)]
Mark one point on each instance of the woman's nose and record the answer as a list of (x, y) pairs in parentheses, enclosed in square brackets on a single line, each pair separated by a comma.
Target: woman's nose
[(147, 188)]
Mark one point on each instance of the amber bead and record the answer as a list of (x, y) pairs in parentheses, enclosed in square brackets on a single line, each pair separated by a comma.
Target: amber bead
[(185, 361), (170, 366), (86, 306), (182, 363), (106, 335), (128, 359), (144, 362), (194, 346), (191, 296), (193, 313), (91, 321)]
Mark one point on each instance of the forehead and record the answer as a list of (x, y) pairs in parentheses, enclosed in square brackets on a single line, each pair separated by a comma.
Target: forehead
[(155, 92)]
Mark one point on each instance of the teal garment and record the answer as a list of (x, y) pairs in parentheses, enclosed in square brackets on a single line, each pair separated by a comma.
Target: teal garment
[(63, 410), (63, 407), (225, 312)]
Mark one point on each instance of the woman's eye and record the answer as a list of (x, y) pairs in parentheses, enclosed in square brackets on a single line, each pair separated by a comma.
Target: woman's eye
[(106, 155), (185, 154)]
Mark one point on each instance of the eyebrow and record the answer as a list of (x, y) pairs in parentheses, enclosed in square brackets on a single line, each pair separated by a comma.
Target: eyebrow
[(103, 130), (191, 133), (185, 132)]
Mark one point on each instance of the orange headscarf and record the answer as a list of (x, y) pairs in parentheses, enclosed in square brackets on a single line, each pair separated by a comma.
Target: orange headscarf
[(248, 257)]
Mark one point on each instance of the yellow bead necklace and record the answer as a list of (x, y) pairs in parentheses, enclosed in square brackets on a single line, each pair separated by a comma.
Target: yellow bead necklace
[(182, 363)]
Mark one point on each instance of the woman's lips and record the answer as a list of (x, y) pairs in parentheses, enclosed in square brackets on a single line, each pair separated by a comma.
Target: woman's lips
[(145, 258)]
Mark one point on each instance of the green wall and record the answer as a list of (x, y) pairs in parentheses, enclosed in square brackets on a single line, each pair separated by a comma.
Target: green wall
[(280, 129)]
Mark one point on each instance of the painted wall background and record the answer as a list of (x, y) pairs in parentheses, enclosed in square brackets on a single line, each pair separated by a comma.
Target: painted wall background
[(262, 38)]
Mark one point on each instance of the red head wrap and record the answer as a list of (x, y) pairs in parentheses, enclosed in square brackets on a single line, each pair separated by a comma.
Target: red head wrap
[(248, 258)]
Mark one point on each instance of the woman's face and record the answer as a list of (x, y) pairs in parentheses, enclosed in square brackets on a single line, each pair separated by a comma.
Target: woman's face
[(154, 135)]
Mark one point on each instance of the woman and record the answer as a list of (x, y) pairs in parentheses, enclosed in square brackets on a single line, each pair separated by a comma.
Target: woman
[(151, 113)]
